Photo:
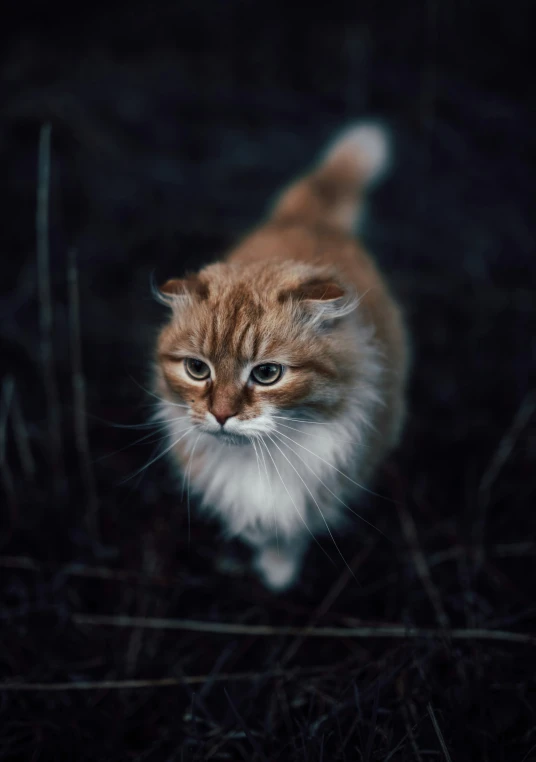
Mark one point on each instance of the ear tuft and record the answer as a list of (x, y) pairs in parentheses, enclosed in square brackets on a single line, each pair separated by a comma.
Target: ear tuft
[(173, 287), (179, 289), (320, 289), (323, 298)]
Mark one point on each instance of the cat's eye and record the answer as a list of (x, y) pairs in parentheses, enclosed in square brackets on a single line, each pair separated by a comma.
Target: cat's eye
[(267, 373), (196, 369)]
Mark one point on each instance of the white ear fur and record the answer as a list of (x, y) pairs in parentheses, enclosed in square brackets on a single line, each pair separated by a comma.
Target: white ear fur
[(178, 292), (167, 300), (322, 311), (323, 299)]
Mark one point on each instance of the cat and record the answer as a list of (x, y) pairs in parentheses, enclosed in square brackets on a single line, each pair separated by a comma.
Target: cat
[(282, 369)]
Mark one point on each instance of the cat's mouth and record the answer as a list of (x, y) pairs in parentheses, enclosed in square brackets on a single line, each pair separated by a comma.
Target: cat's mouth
[(232, 439)]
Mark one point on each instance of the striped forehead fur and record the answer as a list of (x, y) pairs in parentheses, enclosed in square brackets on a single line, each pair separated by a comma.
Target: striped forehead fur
[(247, 318)]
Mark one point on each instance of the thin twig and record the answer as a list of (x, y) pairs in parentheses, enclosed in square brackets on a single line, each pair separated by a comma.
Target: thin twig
[(19, 562), (410, 532), (8, 387), (514, 549), (330, 598), (144, 601), (243, 724), (91, 572), (439, 734), (396, 748), (506, 445), (79, 397), (406, 706), (503, 550), (497, 463), (411, 735), (371, 631), (22, 440), (45, 307), (165, 682)]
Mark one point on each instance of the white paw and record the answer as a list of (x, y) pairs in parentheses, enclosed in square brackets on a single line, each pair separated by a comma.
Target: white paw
[(278, 569)]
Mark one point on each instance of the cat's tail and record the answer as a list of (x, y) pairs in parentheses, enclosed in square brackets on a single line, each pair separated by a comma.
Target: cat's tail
[(331, 195)]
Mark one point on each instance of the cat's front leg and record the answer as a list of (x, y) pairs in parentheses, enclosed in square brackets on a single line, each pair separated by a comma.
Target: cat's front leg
[(278, 562)]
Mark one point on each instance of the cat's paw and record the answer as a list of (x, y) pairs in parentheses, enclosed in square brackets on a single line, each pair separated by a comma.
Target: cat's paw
[(277, 569)]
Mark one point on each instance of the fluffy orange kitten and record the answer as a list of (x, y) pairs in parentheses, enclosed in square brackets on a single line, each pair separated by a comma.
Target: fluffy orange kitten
[(282, 368)]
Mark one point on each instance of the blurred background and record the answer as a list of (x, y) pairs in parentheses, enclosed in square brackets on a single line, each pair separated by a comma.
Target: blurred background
[(172, 126)]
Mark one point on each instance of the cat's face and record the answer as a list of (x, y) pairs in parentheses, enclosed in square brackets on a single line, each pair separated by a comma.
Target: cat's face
[(239, 354)]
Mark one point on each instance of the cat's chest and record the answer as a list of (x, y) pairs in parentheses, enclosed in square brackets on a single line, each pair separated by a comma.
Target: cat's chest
[(268, 485)]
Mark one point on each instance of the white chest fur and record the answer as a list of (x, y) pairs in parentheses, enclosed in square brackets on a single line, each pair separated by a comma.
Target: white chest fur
[(277, 486)]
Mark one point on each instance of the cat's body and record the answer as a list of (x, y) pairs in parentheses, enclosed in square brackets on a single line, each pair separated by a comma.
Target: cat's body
[(282, 370)]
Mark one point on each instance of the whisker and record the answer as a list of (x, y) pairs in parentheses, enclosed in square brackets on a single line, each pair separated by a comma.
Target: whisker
[(361, 486), (362, 518), (131, 444), (302, 420), (139, 478), (152, 394), (144, 425), (320, 423), (316, 503), (268, 481), (188, 483), (295, 506), (161, 455), (256, 457), (270, 488), (162, 427), (320, 436)]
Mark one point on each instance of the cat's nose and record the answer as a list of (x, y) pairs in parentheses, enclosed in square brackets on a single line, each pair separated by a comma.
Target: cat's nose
[(223, 414)]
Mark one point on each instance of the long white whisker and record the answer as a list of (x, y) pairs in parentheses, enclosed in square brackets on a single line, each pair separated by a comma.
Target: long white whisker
[(156, 421), (162, 427), (320, 436), (160, 455), (152, 394), (294, 504), (131, 444), (317, 505), (266, 470), (188, 483), (256, 457), (331, 491), (261, 442), (185, 474), (361, 486), (302, 420), (174, 417)]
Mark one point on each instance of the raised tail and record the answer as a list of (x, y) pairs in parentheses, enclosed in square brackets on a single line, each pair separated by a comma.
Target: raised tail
[(332, 193)]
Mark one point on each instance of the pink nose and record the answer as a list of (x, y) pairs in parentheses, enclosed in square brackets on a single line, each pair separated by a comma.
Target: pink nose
[(222, 415)]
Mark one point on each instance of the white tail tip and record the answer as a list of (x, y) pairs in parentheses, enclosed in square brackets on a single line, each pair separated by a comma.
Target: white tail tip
[(365, 145)]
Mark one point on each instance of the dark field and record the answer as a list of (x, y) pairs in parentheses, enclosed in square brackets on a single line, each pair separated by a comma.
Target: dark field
[(173, 125)]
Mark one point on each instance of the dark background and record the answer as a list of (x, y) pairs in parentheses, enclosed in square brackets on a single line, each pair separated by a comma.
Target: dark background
[(173, 126)]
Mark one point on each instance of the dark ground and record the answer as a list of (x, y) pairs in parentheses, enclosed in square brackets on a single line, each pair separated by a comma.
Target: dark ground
[(172, 127)]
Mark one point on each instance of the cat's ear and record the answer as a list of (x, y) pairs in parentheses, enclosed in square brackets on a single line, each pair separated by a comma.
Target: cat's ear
[(178, 291), (324, 299)]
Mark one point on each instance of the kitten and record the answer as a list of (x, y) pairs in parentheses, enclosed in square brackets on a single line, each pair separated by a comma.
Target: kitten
[(282, 368)]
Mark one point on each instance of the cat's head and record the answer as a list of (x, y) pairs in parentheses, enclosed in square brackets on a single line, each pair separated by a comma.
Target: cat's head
[(241, 349)]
